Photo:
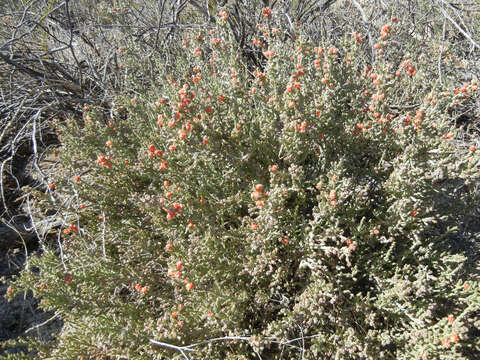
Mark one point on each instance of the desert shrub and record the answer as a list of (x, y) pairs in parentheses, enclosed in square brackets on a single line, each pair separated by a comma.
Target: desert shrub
[(313, 207)]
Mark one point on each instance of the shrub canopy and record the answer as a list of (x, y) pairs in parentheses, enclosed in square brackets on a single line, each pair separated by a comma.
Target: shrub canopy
[(314, 207)]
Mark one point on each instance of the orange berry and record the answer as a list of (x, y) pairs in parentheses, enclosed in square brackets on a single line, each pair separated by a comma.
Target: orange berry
[(448, 135), (77, 178), (254, 226), (189, 286), (179, 265), (266, 12), (472, 148), (451, 318), (170, 215), (177, 206), (109, 143), (259, 187), (375, 232), (68, 278), (454, 338)]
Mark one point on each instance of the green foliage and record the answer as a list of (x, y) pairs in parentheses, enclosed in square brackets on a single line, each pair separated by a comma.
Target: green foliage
[(311, 208)]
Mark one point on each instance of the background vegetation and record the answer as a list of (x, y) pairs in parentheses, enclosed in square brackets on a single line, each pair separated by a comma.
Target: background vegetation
[(243, 179)]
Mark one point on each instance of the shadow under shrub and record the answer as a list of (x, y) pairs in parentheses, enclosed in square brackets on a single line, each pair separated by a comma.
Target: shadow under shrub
[(311, 207)]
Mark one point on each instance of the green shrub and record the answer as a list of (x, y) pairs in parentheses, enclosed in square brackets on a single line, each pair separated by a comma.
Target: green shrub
[(314, 208)]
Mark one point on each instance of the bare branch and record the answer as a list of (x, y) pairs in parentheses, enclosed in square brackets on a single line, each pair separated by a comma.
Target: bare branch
[(454, 23)]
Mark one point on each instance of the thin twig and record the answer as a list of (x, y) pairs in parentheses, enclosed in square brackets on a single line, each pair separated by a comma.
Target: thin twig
[(34, 225), (191, 347), (103, 237), (454, 23), (440, 53), (42, 324)]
